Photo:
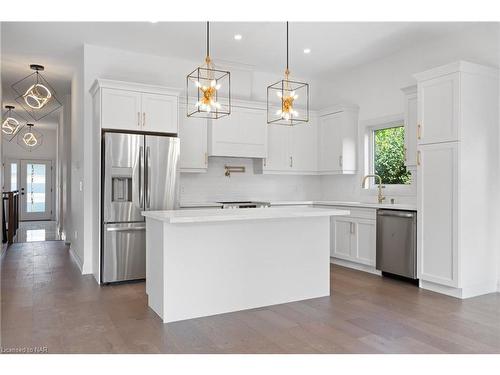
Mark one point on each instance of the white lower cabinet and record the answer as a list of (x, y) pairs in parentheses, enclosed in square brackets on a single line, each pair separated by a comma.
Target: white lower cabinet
[(353, 238)]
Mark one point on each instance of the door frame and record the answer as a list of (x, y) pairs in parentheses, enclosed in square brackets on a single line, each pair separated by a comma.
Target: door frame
[(49, 213)]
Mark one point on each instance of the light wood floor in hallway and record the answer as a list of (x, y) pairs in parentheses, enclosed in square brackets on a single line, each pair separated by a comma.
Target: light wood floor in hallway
[(46, 302)]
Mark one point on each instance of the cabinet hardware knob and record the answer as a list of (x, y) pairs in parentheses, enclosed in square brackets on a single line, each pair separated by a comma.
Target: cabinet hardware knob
[(418, 157), (419, 131)]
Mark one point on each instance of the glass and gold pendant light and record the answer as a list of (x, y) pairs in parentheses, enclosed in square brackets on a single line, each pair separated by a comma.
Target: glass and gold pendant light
[(11, 123), (29, 138), (35, 94), (287, 100), (208, 90)]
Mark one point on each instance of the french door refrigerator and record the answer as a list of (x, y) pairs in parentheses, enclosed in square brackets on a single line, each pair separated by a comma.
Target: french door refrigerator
[(140, 172)]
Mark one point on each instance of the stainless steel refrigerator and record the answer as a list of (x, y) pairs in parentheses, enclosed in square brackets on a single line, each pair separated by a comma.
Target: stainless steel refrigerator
[(140, 172)]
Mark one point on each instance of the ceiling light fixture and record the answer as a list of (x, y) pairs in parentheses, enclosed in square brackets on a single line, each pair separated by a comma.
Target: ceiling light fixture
[(287, 101), (307, 51), (208, 90), (29, 138), (35, 94), (10, 125), (238, 37)]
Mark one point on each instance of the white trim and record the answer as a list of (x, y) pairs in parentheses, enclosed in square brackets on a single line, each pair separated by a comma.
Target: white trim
[(100, 83), (77, 259), (355, 266), (367, 127), (458, 66), (338, 108), (461, 293)]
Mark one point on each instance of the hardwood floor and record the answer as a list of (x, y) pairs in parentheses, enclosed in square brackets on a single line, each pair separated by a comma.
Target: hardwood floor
[(47, 303)]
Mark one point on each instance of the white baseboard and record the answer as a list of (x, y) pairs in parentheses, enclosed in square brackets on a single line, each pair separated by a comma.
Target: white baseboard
[(355, 266), (461, 293), (77, 259)]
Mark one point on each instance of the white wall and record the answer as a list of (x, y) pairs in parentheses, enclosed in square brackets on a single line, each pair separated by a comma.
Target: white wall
[(64, 167), (376, 88)]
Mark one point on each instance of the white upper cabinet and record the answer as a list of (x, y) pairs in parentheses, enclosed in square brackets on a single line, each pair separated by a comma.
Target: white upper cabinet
[(303, 147), (291, 149), (121, 109), (337, 139), (411, 118), (438, 109), (193, 149), (278, 154), (159, 113), (241, 134), (137, 107)]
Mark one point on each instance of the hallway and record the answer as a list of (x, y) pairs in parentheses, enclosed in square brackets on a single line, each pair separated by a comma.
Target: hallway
[(47, 303)]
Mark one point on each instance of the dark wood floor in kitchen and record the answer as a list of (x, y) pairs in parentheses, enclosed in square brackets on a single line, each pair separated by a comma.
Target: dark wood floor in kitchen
[(46, 302)]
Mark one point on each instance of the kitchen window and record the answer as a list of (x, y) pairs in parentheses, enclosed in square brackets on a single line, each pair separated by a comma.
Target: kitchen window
[(385, 155)]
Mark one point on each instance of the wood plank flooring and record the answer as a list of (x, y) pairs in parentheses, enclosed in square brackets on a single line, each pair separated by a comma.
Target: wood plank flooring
[(46, 302)]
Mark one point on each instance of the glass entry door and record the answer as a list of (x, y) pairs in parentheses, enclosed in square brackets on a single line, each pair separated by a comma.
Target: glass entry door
[(36, 190)]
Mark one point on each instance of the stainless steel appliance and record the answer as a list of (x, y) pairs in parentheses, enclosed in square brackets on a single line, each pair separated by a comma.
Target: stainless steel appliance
[(244, 204), (140, 172), (397, 242)]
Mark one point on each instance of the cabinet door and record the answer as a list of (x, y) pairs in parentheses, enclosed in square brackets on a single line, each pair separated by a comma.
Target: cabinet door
[(241, 134), (160, 113), (193, 149), (303, 147), (364, 244), (438, 109), (341, 237), (330, 143), (437, 213), (121, 109), (278, 155), (411, 104)]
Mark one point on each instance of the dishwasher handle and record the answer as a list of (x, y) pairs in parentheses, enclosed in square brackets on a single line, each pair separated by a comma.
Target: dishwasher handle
[(395, 213)]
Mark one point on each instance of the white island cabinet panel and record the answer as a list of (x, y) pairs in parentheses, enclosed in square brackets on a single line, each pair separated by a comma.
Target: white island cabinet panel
[(203, 262)]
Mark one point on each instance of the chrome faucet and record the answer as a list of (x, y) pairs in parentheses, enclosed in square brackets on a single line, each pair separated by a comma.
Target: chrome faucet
[(381, 198)]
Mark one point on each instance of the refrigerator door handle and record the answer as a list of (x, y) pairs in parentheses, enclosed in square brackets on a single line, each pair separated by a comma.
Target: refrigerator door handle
[(141, 188), (127, 229), (147, 177)]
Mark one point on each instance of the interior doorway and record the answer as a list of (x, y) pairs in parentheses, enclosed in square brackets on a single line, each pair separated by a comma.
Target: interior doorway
[(36, 190)]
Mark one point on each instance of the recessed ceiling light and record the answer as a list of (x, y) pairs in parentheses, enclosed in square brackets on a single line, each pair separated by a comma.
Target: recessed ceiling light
[(307, 50), (238, 37)]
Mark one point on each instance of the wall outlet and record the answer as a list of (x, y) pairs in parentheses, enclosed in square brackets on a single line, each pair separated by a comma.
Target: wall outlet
[(76, 234), (81, 185)]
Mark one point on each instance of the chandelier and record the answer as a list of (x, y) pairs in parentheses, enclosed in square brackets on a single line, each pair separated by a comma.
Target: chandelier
[(208, 90), (287, 100), (11, 123), (29, 138), (35, 94)]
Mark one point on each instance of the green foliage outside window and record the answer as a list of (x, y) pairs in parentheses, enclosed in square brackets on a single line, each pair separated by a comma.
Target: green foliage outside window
[(389, 152)]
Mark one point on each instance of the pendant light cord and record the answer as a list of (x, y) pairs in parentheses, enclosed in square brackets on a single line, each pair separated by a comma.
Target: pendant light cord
[(208, 39), (287, 46)]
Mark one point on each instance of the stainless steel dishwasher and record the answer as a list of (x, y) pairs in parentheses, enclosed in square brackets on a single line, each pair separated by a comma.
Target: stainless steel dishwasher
[(397, 242)]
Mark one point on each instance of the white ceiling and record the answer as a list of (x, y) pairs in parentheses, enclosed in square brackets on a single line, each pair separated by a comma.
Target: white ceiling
[(335, 46)]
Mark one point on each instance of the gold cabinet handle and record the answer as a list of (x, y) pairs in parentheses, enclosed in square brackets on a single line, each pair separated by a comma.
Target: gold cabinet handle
[(291, 161), (139, 119), (143, 118), (419, 131), (418, 157), (265, 162)]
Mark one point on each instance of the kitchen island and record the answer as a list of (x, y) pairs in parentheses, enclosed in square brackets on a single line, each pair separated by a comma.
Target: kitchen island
[(213, 261)]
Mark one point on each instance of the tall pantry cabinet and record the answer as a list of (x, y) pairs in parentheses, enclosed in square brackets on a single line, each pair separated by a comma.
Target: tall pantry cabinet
[(457, 164)]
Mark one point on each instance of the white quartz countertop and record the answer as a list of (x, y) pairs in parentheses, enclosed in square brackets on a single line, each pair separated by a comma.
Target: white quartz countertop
[(203, 215), (395, 206)]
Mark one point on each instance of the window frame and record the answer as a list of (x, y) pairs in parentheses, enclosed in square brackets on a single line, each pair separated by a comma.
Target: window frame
[(368, 135)]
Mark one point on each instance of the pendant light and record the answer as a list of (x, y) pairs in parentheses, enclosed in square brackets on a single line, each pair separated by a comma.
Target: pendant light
[(208, 90), (35, 94), (29, 138), (11, 123), (287, 100)]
